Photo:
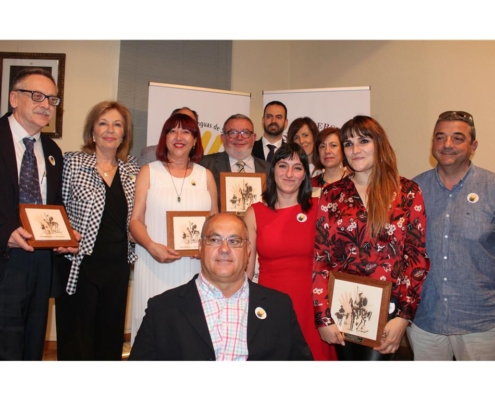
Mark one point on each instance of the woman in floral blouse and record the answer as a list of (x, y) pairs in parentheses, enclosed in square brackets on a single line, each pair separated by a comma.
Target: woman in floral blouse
[(371, 223)]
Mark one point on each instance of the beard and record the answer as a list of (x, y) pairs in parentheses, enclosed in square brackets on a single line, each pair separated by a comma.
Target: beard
[(275, 133)]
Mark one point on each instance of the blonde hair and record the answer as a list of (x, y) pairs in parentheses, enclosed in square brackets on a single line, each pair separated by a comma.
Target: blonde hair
[(96, 112)]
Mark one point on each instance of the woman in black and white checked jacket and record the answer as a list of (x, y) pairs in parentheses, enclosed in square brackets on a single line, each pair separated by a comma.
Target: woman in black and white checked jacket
[(98, 193)]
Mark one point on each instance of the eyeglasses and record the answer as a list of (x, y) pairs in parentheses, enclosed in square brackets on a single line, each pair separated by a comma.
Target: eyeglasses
[(233, 134), (461, 115), (39, 97), (233, 242)]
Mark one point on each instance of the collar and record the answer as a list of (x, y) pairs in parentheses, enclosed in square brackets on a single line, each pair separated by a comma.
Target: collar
[(468, 173), (213, 292), (277, 144), (18, 132), (249, 161)]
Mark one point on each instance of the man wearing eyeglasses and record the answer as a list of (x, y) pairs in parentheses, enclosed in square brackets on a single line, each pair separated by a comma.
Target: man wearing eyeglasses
[(238, 138), (220, 314), (456, 316), (25, 273)]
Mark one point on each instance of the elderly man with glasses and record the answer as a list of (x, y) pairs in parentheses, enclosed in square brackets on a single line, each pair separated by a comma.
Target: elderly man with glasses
[(30, 172), (456, 316), (238, 139), (221, 315)]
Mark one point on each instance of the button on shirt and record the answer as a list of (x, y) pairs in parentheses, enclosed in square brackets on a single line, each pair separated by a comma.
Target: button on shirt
[(19, 133), (226, 319), (459, 292)]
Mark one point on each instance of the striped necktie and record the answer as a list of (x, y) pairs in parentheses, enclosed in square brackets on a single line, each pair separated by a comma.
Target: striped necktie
[(240, 165)]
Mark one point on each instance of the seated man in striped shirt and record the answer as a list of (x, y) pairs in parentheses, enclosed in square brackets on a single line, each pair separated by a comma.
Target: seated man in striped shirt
[(220, 314)]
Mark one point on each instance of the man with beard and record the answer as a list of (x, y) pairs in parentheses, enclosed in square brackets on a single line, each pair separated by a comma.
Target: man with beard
[(456, 316), (238, 138), (274, 123)]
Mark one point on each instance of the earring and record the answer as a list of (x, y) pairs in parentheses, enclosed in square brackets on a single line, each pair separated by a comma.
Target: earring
[(94, 139)]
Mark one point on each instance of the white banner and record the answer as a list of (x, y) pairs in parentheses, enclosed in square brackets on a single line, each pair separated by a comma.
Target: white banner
[(327, 107), (213, 107)]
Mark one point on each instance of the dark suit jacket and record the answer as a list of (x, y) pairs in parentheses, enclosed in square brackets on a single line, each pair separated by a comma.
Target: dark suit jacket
[(219, 162), (9, 182), (258, 149), (175, 328)]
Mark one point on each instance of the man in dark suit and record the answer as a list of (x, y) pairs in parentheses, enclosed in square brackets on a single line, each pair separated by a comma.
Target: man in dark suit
[(220, 314), (274, 124), (238, 138), (25, 273)]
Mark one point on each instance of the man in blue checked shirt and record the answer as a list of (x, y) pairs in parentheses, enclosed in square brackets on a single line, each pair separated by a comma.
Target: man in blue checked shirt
[(456, 317), (220, 314)]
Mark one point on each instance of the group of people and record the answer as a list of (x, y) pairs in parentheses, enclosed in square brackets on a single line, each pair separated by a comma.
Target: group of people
[(334, 202)]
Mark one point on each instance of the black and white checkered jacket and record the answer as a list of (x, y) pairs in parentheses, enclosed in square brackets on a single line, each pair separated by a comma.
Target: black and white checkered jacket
[(83, 193)]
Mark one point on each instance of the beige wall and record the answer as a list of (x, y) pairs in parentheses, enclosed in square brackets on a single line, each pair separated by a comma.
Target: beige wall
[(411, 83), (91, 76)]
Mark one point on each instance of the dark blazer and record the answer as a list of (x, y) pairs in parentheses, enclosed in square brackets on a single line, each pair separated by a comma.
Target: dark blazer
[(258, 149), (219, 162), (24, 326), (9, 181), (175, 328)]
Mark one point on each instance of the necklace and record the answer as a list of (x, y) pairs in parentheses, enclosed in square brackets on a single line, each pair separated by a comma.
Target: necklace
[(173, 183), (105, 172)]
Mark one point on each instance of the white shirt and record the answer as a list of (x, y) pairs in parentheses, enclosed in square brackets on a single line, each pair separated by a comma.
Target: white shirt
[(265, 142), (248, 164), (19, 133)]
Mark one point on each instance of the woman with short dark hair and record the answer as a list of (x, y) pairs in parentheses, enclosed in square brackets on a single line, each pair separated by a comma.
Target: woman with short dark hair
[(281, 232)]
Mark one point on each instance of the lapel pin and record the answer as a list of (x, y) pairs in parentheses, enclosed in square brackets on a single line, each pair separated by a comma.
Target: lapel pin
[(473, 197), (302, 217), (52, 160), (260, 313), (132, 177)]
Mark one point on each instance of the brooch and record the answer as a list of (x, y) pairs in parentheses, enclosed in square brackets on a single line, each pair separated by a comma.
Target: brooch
[(473, 198), (302, 217), (260, 313)]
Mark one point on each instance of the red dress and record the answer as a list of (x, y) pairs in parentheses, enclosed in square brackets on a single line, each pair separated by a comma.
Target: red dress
[(285, 246)]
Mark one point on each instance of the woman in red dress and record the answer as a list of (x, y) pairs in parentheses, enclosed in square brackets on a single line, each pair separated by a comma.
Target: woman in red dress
[(281, 232), (371, 223)]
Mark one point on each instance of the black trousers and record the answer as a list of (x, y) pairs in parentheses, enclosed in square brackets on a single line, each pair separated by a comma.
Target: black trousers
[(90, 323), (25, 281), (357, 352)]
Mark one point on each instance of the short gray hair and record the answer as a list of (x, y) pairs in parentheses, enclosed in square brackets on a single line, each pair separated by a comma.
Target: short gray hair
[(236, 116)]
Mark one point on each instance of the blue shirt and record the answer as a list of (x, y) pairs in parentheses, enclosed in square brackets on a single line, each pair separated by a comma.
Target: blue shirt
[(459, 292)]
